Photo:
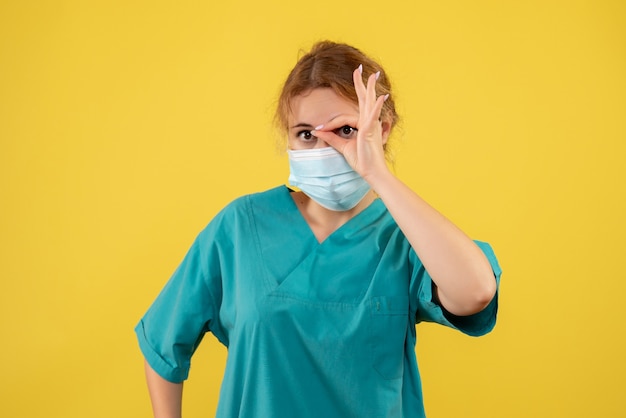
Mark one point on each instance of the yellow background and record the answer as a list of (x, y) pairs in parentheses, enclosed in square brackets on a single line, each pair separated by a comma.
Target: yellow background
[(125, 126)]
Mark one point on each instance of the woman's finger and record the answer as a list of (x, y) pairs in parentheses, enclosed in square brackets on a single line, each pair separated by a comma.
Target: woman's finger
[(370, 94), (359, 86), (338, 122), (333, 140), (378, 108), (371, 118)]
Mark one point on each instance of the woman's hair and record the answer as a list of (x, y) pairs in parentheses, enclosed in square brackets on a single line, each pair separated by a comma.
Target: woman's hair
[(330, 65)]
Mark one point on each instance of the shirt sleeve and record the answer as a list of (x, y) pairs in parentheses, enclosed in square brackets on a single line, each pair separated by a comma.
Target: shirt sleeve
[(428, 310), (185, 310)]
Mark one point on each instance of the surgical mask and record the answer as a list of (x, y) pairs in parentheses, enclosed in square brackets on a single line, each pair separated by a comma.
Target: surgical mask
[(325, 176)]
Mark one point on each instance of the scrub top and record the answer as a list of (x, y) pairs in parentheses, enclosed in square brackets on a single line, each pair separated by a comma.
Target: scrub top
[(312, 329)]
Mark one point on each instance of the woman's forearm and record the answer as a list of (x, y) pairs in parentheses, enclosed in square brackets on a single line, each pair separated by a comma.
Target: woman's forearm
[(166, 397), (463, 276)]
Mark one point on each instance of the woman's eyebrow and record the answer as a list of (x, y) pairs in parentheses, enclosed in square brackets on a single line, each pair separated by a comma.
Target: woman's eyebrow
[(333, 118), (307, 125), (301, 125), (337, 116)]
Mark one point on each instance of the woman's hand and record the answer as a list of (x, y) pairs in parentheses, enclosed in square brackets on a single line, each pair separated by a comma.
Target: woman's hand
[(364, 152)]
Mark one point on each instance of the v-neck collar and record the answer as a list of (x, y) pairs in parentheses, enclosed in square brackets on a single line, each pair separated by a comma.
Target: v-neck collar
[(363, 218)]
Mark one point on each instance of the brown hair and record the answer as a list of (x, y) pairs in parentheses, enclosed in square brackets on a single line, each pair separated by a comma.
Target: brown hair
[(330, 65)]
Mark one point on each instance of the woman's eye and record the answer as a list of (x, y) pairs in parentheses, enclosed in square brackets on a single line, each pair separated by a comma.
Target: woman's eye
[(305, 135), (346, 132)]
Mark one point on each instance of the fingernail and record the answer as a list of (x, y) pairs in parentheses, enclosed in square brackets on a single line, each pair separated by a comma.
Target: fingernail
[(386, 97), (360, 68), (317, 128), (377, 75)]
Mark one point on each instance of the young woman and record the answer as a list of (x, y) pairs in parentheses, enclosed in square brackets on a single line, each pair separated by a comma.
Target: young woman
[(316, 292)]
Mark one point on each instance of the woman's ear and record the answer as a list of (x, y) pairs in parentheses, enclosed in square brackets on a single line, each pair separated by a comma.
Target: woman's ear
[(386, 126)]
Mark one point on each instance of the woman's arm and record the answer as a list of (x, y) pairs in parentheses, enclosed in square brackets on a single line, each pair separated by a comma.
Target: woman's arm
[(463, 276), (166, 397)]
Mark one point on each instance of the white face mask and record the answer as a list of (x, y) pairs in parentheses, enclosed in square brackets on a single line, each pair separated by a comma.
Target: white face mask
[(327, 178)]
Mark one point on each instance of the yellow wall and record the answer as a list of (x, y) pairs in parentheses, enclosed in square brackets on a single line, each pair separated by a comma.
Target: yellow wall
[(125, 126)]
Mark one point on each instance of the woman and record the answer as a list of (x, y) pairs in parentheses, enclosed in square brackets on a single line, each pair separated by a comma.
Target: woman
[(316, 292)]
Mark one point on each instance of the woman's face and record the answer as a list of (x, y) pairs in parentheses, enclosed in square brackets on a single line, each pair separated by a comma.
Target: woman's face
[(319, 107)]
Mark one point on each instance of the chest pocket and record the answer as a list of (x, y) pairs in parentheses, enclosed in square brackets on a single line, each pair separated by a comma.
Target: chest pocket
[(389, 319)]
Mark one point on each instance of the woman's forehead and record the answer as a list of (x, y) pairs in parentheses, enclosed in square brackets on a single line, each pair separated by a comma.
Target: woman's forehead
[(319, 103)]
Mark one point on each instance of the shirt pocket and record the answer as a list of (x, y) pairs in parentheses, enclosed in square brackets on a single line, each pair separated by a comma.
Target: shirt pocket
[(389, 319)]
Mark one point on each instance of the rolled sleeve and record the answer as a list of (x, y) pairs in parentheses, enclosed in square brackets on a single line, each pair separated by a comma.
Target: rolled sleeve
[(160, 365), (428, 310), (176, 322)]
